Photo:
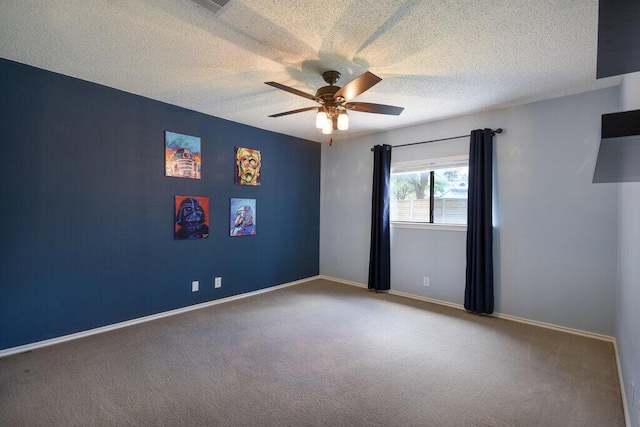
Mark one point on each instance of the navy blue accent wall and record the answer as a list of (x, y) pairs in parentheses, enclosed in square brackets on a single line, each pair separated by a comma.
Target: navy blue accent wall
[(87, 214)]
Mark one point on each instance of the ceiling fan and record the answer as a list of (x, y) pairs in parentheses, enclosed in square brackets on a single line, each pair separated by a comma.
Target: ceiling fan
[(335, 101)]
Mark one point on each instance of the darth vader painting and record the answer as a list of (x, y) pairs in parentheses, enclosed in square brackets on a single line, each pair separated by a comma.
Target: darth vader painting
[(191, 217)]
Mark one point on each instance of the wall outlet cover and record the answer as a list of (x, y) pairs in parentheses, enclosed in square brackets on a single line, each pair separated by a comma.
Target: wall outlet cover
[(195, 286), (218, 282)]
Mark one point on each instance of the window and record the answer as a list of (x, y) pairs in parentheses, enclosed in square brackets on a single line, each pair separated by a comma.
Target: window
[(430, 191)]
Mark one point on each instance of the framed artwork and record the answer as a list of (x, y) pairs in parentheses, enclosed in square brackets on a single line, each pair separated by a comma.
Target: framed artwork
[(182, 156), (247, 169), (242, 217), (191, 217)]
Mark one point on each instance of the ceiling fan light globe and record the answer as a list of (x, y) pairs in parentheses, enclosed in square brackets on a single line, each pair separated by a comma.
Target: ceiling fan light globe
[(327, 129), (343, 121), (321, 119)]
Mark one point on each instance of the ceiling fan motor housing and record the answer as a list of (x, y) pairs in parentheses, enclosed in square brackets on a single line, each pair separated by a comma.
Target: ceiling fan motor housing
[(326, 94)]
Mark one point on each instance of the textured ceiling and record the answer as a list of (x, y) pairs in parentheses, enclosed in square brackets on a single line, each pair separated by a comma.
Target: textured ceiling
[(436, 58)]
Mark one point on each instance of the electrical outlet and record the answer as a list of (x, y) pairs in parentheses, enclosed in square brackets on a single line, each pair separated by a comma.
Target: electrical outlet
[(195, 285), (218, 282), (425, 281)]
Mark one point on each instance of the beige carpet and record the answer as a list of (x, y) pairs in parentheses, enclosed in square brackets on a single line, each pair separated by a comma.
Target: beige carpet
[(317, 354)]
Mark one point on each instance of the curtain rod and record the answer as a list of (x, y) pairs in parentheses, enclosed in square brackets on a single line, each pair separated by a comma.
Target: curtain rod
[(493, 132)]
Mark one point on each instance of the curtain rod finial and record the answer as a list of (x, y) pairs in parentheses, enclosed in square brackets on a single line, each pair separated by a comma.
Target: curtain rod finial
[(499, 130)]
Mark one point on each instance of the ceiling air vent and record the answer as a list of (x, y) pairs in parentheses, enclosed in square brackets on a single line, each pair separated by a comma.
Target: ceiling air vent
[(212, 5)]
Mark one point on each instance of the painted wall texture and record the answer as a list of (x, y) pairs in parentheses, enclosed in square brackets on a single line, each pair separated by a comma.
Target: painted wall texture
[(555, 233), (87, 219), (628, 316)]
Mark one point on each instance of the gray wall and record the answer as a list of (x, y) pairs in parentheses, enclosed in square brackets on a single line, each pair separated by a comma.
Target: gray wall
[(555, 232), (628, 316)]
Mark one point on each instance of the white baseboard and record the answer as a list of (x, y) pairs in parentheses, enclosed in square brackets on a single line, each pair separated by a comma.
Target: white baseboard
[(499, 315), (587, 334), (346, 282), (625, 406), (77, 335)]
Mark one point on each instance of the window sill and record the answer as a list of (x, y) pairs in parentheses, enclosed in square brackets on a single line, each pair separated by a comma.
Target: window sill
[(428, 226)]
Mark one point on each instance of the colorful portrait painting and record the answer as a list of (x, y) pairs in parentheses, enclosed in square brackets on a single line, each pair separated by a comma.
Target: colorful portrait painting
[(248, 163), (182, 156), (242, 217), (191, 217)]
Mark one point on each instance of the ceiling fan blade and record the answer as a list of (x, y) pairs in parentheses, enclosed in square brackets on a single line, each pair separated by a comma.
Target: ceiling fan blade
[(293, 91), (286, 113), (366, 107), (357, 86)]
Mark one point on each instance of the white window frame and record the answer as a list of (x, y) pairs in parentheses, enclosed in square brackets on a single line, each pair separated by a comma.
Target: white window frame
[(430, 164)]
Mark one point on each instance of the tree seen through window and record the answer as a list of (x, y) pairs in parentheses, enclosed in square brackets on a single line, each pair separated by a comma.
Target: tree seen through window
[(411, 193)]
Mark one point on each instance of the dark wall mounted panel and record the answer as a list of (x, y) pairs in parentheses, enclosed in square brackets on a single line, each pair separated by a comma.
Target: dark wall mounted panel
[(87, 213), (618, 37), (619, 153), (626, 123)]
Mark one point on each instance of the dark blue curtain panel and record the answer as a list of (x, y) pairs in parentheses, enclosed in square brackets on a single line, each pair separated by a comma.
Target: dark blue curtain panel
[(478, 296), (380, 255)]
